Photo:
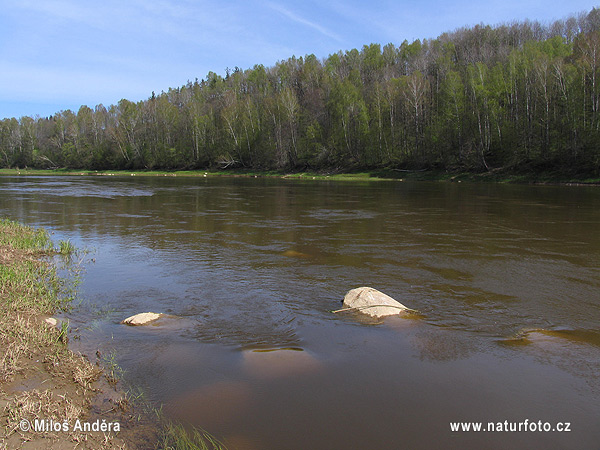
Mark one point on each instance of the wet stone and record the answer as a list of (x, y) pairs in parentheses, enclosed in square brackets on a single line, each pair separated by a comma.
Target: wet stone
[(370, 301), (141, 319)]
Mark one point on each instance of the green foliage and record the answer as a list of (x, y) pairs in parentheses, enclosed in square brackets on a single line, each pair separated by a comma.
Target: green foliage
[(112, 371), (523, 96)]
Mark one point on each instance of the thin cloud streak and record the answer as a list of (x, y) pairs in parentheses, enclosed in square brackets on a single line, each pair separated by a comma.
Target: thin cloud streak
[(296, 18), (69, 51)]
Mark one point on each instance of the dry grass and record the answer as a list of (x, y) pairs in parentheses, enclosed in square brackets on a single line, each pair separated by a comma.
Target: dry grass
[(9, 362), (84, 373), (19, 338), (53, 382), (46, 405), (30, 349)]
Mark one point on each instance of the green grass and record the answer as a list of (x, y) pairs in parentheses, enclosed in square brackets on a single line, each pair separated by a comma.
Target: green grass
[(30, 289), (28, 280), (496, 176), (63, 334), (112, 371), (66, 248), (177, 437), (22, 237)]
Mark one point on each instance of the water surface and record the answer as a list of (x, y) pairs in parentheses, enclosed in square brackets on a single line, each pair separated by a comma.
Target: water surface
[(506, 280)]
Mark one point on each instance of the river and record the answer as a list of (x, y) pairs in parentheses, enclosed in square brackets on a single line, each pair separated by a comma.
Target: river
[(506, 280)]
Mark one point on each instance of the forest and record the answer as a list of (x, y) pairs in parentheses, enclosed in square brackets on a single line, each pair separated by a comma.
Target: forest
[(523, 96)]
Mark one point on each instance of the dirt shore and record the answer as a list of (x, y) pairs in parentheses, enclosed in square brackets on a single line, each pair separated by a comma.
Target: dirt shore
[(51, 397)]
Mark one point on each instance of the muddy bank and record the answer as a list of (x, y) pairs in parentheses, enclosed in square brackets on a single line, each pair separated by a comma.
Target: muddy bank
[(50, 396)]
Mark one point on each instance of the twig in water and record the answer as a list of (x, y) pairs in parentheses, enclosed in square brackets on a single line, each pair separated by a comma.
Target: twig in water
[(402, 308)]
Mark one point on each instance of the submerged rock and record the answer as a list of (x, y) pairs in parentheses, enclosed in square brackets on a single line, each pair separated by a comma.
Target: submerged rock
[(542, 336), (295, 254), (141, 319), (278, 362), (373, 302)]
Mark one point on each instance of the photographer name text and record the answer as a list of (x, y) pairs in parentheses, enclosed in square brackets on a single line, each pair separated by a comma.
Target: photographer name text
[(43, 425)]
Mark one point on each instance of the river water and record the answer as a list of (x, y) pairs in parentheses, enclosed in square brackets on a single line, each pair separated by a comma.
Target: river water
[(506, 280)]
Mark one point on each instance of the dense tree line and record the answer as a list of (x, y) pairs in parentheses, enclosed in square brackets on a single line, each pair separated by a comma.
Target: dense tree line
[(521, 95)]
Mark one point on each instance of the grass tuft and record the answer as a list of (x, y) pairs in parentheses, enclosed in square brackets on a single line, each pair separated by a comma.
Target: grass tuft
[(66, 248), (177, 437), (112, 371)]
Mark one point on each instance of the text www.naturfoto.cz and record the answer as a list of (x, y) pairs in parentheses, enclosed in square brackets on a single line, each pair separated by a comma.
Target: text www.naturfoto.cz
[(506, 426)]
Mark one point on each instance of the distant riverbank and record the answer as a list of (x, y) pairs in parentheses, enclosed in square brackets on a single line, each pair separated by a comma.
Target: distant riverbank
[(495, 176)]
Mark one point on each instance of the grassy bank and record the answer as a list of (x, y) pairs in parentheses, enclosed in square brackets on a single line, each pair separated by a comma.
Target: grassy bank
[(42, 379), (495, 176), (199, 173)]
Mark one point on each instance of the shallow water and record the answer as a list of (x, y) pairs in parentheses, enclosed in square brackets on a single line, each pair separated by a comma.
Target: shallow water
[(506, 280)]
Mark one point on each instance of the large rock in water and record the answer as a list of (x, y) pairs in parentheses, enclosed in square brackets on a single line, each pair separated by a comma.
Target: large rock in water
[(372, 302), (141, 319)]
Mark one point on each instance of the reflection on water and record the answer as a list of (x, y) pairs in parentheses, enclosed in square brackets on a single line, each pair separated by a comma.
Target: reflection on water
[(243, 266), (278, 363)]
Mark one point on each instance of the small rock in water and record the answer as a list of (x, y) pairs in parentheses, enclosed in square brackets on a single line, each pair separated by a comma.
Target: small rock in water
[(51, 321), (141, 319), (372, 302)]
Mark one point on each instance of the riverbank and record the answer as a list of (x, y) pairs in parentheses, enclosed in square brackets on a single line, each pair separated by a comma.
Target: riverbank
[(50, 396), (46, 390), (494, 176)]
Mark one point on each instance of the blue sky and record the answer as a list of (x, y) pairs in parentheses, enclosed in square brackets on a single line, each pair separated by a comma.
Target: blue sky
[(60, 54)]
